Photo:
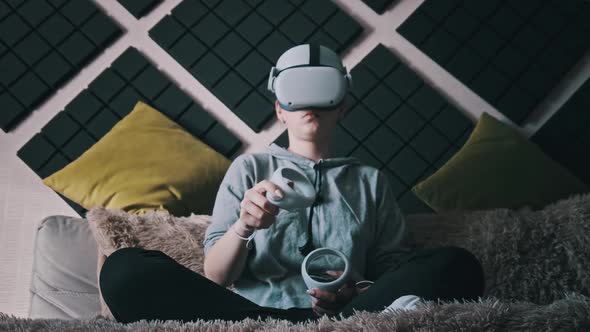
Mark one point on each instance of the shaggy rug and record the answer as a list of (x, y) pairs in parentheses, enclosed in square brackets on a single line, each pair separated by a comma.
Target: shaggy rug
[(527, 255), (572, 313)]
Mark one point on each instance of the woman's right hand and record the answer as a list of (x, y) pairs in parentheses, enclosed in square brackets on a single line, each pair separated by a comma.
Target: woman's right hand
[(256, 211)]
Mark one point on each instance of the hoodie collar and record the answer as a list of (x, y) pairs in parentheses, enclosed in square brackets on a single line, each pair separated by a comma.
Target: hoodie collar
[(282, 153)]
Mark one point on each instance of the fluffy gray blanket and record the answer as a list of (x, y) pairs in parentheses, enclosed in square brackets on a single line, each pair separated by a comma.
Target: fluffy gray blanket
[(572, 313)]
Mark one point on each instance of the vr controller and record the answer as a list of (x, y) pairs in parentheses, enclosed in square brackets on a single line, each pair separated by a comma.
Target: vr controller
[(299, 192)]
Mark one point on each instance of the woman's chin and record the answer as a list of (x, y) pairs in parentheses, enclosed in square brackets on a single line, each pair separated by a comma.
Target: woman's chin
[(313, 130)]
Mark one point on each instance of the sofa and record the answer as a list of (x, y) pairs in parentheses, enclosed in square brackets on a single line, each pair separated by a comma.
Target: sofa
[(63, 280), (535, 262)]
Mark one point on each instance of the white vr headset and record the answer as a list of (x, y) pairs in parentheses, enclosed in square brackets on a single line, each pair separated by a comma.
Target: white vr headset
[(309, 77)]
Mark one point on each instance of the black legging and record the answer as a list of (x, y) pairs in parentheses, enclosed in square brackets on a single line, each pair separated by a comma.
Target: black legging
[(147, 284)]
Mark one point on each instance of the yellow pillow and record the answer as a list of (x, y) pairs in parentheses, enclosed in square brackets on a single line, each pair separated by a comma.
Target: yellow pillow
[(145, 162), (497, 168)]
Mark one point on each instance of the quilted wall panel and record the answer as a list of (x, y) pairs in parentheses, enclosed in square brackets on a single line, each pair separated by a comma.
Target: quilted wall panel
[(378, 5), (43, 43), (139, 8), (230, 46), (565, 137), (512, 53)]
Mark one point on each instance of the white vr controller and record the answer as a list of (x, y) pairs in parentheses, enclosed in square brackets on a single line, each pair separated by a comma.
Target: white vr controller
[(324, 282), (299, 192)]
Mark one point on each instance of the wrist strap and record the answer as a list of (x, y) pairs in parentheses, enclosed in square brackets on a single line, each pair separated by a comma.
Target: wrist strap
[(362, 283), (249, 238)]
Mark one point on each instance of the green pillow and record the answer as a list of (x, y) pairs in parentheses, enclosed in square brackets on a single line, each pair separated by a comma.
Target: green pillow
[(497, 168)]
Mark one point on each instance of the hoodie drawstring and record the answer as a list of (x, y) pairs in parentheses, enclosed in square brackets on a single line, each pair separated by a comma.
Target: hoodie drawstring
[(308, 246)]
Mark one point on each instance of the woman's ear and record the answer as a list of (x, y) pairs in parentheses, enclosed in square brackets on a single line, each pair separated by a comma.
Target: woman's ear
[(278, 111)]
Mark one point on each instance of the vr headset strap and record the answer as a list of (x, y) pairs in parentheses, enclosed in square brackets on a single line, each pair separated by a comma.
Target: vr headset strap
[(314, 54)]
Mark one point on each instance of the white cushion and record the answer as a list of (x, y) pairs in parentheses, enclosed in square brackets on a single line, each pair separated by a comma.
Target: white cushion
[(63, 283)]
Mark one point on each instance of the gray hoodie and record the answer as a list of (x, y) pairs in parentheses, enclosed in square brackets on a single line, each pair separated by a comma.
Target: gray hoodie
[(356, 213)]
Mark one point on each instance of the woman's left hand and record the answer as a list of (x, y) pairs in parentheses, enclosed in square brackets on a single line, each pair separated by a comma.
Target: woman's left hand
[(329, 303)]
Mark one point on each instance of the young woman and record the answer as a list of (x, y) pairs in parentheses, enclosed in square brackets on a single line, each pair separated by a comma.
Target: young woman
[(355, 212)]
